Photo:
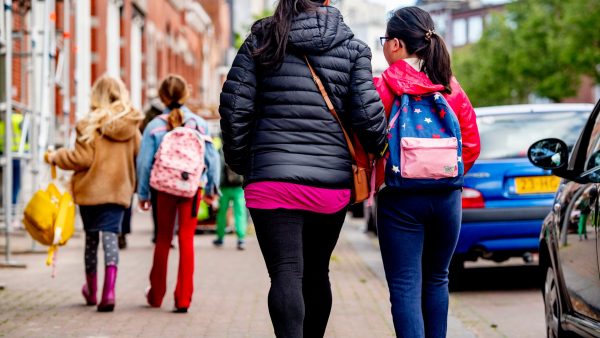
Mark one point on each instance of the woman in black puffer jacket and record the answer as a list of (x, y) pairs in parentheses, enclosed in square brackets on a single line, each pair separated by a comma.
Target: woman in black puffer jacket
[(279, 134)]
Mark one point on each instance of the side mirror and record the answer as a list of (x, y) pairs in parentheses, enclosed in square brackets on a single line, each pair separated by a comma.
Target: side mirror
[(549, 154)]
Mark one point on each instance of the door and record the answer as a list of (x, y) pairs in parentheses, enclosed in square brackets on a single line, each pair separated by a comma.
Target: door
[(578, 239)]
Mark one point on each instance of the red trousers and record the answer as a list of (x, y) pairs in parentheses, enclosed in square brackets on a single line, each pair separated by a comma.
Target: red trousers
[(168, 207)]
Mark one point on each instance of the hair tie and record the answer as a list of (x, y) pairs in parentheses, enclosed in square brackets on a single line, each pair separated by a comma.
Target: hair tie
[(174, 105), (429, 34)]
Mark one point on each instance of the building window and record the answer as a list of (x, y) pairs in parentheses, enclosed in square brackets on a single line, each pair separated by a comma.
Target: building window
[(378, 45), (475, 28), (459, 32), (439, 22)]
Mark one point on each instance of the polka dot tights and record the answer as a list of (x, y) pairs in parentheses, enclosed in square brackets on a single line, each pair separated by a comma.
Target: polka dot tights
[(109, 244)]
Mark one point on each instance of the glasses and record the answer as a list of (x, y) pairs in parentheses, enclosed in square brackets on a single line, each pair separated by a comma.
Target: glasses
[(383, 39)]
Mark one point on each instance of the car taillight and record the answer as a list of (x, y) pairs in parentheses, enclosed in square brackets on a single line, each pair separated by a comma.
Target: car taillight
[(472, 199)]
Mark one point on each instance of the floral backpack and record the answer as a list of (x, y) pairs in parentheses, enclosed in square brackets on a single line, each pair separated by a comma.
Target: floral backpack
[(179, 161)]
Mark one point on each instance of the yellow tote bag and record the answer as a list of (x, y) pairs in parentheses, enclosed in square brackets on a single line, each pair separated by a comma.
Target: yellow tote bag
[(49, 217), (40, 214), (64, 227)]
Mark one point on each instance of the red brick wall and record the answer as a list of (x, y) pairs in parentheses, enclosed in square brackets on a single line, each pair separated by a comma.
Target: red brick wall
[(171, 23), (165, 18), (20, 90)]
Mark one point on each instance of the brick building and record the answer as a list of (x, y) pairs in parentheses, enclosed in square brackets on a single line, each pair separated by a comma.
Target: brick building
[(140, 41)]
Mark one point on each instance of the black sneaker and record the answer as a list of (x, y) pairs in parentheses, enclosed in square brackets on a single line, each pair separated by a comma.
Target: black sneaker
[(218, 242), (241, 245), (180, 310)]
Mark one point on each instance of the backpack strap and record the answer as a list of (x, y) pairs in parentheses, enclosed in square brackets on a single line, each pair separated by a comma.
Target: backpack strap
[(395, 117)]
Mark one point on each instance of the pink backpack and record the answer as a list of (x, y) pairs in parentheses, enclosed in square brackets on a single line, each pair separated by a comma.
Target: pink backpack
[(179, 163)]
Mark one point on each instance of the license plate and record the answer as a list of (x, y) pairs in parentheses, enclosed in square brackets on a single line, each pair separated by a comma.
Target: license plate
[(536, 185)]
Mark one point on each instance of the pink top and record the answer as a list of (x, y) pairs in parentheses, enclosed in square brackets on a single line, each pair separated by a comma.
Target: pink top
[(283, 195)]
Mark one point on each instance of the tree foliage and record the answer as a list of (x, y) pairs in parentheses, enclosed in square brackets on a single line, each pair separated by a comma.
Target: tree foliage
[(239, 38), (536, 47)]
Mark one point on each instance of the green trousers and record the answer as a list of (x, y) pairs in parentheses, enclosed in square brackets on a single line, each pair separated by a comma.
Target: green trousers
[(235, 195)]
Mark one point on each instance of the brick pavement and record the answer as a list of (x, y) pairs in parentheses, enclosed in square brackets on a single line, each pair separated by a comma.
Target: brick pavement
[(230, 298)]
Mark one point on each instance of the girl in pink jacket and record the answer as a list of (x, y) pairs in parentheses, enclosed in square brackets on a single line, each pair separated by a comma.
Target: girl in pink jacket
[(418, 229)]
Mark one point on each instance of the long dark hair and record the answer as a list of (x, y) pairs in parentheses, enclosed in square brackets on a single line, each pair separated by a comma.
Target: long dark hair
[(276, 31), (415, 28)]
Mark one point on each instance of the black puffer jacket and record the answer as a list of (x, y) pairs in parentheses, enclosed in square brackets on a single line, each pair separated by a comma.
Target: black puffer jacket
[(275, 124)]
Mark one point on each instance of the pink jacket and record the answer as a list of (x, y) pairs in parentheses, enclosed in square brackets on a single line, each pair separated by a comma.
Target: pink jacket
[(400, 78)]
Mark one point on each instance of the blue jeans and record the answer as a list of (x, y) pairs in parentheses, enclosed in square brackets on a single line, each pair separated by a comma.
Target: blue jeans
[(16, 180), (418, 232)]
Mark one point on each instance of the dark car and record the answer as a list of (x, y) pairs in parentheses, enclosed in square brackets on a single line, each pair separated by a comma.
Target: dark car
[(569, 246)]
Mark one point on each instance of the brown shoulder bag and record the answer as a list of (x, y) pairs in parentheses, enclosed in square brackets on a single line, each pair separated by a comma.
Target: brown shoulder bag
[(361, 170)]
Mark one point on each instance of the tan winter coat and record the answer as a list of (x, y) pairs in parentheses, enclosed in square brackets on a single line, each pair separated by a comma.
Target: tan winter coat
[(104, 168)]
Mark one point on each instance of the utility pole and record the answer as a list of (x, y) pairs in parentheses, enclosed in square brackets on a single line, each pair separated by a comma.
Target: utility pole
[(8, 142), (8, 136), (66, 76)]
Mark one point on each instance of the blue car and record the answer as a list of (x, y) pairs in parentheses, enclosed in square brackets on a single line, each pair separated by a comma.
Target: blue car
[(506, 198)]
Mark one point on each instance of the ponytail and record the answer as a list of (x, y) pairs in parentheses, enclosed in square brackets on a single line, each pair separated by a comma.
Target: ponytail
[(173, 92), (175, 118), (276, 31), (436, 62), (415, 28)]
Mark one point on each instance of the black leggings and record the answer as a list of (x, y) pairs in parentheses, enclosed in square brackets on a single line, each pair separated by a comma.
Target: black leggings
[(297, 247)]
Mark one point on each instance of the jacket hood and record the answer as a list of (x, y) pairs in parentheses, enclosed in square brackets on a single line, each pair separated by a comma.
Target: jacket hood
[(402, 78), (122, 128), (319, 31)]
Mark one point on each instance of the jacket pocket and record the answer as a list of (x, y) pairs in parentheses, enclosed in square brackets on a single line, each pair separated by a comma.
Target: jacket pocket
[(429, 158)]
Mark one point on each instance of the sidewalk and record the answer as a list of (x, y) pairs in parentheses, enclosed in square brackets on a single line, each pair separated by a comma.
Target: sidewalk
[(368, 249), (230, 298)]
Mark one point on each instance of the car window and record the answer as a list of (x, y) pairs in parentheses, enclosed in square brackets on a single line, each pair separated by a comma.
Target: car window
[(510, 135), (594, 144)]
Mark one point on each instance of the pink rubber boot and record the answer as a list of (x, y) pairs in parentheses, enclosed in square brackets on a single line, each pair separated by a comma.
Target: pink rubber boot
[(108, 292), (90, 288)]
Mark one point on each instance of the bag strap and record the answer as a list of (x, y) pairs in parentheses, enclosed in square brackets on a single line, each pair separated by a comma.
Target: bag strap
[(53, 171), (395, 117), (331, 108)]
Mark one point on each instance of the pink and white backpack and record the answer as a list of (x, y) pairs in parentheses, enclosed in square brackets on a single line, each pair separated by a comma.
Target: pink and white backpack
[(179, 162)]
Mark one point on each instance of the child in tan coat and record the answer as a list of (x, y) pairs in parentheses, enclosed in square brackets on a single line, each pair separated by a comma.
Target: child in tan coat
[(108, 140)]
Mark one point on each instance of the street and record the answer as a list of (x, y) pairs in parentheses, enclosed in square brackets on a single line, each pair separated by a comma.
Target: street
[(496, 300), (231, 289), (500, 301)]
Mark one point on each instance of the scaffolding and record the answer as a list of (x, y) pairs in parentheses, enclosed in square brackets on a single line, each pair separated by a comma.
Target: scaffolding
[(44, 69)]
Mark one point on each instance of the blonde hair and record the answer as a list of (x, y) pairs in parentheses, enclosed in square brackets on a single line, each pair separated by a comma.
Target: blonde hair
[(173, 92), (109, 102)]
